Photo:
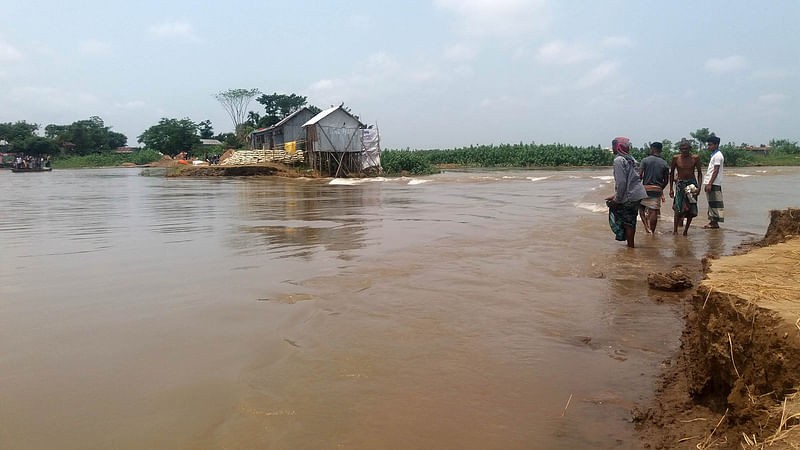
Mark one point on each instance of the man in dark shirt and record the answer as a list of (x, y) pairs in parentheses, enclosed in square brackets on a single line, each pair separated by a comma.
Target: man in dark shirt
[(654, 173)]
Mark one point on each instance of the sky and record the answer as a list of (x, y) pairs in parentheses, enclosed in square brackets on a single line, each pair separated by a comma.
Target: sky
[(428, 73)]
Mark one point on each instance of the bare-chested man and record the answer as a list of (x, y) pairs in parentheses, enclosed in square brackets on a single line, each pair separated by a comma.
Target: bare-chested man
[(684, 205)]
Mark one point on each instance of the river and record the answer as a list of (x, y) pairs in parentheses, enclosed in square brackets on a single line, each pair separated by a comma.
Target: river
[(470, 309)]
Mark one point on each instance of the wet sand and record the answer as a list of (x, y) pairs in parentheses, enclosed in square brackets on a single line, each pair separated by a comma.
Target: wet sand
[(459, 310)]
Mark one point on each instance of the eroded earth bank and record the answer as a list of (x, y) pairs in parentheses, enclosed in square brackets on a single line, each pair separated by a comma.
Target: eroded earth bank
[(734, 382)]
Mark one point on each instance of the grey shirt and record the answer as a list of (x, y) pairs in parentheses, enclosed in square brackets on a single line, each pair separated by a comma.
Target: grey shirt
[(627, 184), (654, 171)]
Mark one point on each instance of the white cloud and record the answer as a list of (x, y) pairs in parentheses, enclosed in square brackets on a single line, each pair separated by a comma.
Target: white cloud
[(95, 48), (549, 90), (174, 30), (771, 99), (54, 100), (9, 53), (598, 74), (503, 102), (460, 52), (563, 52), (727, 64), (769, 74), (130, 106), (498, 17), (617, 41), (560, 52), (322, 85)]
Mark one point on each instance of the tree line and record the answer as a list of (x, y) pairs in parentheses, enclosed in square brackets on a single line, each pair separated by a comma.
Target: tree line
[(169, 136)]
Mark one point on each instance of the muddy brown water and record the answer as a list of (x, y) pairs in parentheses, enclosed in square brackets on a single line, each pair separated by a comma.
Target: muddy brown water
[(462, 310)]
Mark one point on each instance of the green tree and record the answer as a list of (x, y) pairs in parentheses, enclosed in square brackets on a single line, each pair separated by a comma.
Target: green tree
[(15, 133), (206, 131), (235, 102), (88, 136), (701, 136), (171, 136), (278, 106), (37, 145), (667, 145)]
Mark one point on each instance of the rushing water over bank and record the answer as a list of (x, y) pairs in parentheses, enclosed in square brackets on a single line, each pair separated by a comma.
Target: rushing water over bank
[(458, 310)]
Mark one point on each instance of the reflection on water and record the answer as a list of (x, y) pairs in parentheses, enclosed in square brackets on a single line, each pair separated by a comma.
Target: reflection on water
[(458, 310)]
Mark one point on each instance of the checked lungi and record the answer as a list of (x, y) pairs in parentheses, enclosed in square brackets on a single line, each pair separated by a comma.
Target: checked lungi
[(716, 207)]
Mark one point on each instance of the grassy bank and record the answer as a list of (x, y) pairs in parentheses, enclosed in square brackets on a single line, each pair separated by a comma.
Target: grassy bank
[(105, 159), (423, 162)]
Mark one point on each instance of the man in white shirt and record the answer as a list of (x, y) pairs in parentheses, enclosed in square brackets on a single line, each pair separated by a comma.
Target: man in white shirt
[(713, 186)]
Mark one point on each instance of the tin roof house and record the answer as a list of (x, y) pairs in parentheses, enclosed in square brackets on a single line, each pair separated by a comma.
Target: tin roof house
[(335, 143), (289, 129)]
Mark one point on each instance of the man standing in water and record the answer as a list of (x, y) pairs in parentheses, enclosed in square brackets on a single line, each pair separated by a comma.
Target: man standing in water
[(685, 203), (623, 206), (714, 187), (654, 172)]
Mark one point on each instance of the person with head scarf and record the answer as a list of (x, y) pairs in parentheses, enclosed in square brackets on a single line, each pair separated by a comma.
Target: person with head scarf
[(684, 203), (713, 187), (623, 206)]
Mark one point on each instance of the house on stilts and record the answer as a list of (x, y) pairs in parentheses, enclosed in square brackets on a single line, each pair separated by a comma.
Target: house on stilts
[(339, 145), (334, 143)]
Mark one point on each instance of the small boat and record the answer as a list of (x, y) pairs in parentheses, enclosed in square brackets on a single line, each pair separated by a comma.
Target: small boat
[(31, 169)]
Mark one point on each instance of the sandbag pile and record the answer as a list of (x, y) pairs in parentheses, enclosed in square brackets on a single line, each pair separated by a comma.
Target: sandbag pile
[(246, 157)]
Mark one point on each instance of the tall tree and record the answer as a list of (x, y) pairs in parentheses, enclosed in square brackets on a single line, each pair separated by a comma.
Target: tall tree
[(171, 136), (701, 136), (206, 131), (278, 106), (17, 131), (36, 145), (235, 102), (88, 136)]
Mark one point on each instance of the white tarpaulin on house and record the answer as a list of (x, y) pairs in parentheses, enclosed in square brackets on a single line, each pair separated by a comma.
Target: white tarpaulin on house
[(371, 143)]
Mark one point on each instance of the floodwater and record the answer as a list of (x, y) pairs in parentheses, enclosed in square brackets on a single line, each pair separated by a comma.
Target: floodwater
[(471, 309)]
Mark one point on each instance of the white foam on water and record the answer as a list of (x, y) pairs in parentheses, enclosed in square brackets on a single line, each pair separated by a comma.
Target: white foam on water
[(417, 181), (741, 175), (536, 178), (604, 177), (761, 171), (355, 181), (593, 207)]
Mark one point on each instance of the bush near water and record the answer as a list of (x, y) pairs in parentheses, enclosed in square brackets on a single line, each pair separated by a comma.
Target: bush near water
[(106, 159)]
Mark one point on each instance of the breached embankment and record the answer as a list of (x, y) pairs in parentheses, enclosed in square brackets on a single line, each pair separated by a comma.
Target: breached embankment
[(736, 377), (266, 169)]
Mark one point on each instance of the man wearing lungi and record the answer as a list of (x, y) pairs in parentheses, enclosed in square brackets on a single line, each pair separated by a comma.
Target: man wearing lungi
[(713, 187), (654, 172), (685, 201)]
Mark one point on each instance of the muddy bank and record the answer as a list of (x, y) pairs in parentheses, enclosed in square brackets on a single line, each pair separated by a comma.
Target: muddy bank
[(733, 383), (266, 169)]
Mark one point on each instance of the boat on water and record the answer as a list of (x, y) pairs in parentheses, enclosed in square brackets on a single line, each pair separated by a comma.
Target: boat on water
[(31, 169)]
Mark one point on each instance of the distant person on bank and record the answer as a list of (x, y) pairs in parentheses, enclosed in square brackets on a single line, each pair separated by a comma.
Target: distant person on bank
[(713, 188), (654, 172), (623, 206), (684, 202)]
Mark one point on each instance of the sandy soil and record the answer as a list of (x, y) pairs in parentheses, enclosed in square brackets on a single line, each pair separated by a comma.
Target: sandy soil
[(733, 383)]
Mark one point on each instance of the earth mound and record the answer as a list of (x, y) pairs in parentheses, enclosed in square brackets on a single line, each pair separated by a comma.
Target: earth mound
[(783, 225), (677, 280), (737, 376)]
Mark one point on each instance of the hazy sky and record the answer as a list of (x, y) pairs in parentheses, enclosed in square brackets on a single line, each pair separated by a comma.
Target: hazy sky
[(430, 73)]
